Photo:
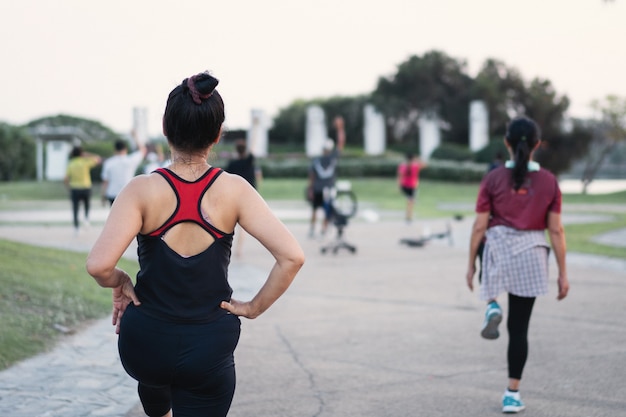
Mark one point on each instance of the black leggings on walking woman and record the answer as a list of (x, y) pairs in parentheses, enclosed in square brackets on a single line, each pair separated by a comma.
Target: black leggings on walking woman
[(520, 309)]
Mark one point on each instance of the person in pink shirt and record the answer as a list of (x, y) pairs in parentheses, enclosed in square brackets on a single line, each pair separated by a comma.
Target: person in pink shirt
[(408, 180), (516, 203)]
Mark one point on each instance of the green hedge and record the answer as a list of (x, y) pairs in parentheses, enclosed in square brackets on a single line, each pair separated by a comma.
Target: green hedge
[(374, 167), (452, 152), (456, 171)]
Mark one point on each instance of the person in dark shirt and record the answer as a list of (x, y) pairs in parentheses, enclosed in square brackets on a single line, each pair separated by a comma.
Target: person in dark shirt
[(178, 325), (322, 177), (244, 166)]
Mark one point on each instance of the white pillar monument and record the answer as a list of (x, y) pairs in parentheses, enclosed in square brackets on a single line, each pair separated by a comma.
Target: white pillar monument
[(57, 152), (257, 139), (373, 131), (315, 133), (430, 135), (140, 124), (479, 125), (39, 156)]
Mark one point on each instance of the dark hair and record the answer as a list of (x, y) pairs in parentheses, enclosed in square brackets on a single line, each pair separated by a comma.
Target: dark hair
[(76, 152), (241, 147), (120, 145), (522, 135), (194, 113), (409, 155)]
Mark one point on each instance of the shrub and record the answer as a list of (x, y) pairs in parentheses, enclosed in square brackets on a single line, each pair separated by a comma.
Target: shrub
[(298, 167), (454, 171), (452, 152), (490, 151)]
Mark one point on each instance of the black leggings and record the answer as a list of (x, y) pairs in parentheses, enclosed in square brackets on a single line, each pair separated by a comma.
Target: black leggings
[(77, 195), (189, 368), (520, 309)]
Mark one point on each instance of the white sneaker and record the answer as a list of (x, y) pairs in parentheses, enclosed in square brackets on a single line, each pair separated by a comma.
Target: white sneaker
[(493, 317), (512, 402)]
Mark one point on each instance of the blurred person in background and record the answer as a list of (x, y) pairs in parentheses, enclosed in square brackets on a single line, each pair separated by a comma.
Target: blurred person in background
[(119, 169), (78, 181)]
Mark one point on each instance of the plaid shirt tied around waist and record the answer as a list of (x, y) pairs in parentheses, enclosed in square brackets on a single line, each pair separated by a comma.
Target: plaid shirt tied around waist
[(514, 261)]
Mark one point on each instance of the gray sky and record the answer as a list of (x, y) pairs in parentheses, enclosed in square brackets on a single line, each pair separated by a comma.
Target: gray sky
[(99, 59)]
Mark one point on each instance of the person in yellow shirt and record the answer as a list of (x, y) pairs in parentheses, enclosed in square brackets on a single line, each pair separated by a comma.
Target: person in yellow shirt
[(78, 180)]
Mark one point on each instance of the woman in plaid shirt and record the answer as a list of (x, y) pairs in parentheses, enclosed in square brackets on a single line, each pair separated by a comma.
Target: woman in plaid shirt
[(516, 203)]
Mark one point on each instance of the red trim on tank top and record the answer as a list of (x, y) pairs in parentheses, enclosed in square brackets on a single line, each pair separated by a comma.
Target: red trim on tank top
[(188, 201)]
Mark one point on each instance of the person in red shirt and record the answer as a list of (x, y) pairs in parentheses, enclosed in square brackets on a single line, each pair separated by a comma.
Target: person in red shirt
[(516, 203), (408, 179)]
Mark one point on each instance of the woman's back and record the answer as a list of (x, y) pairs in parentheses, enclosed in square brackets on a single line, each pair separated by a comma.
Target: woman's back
[(178, 337), (183, 273)]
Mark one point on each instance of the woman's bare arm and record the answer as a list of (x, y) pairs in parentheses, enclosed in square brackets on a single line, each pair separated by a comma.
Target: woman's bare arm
[(258, 220), (557, 241)]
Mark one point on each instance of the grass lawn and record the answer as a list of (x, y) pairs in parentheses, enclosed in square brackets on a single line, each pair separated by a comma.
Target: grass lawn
[(32, 190), (383, 193), (41, 288), (580, 237)]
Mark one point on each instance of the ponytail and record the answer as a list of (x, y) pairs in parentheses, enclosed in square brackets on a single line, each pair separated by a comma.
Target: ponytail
[(522, 155), (522, 135)]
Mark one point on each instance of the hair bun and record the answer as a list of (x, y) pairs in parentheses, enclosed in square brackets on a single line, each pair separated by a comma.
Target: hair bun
[(201, 86)]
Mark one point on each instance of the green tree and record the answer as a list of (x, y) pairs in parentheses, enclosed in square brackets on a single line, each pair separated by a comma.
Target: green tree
[(507, 95), (17, 160), (543, 104), (290, 124), (609, 130), (438, 83), (560, 149), (96, 137), (501, 88), (432, 83), (351, 109), (93, 130)]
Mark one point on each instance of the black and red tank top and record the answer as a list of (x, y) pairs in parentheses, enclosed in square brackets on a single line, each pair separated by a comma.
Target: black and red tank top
[(178, 288)]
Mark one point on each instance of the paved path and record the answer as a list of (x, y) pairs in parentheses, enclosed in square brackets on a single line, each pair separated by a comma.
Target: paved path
[(389, 331)]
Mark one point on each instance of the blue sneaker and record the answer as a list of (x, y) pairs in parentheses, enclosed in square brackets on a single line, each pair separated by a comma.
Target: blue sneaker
[(493, 317), (512, 402)]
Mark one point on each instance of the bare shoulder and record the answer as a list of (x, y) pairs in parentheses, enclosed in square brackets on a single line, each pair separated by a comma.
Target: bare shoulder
[(233, 183), (235, 190), (145, 180), (144, 186)]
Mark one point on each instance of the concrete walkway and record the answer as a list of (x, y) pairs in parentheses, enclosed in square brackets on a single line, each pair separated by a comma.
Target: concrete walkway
[(389, 331)]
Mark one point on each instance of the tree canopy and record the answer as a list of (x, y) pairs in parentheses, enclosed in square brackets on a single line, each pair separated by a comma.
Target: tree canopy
[(93, 130), (608, 131), (433, 83), (290, 124), (17, 159), (436, 83)]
